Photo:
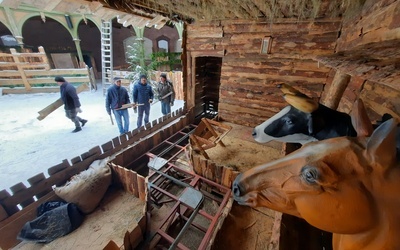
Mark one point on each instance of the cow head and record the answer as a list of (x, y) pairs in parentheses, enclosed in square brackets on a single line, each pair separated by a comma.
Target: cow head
[(293, 124), (289, 125)]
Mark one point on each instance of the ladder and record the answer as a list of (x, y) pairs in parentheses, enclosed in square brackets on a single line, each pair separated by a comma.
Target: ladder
[(106, 54)]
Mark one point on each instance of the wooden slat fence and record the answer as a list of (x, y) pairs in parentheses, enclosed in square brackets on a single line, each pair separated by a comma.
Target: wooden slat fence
[(31, 73)]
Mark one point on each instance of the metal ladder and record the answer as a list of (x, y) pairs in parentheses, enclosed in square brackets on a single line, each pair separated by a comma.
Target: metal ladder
[(106, 54)]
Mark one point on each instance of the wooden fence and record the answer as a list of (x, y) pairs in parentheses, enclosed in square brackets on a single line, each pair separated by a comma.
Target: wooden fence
[(31, 73)]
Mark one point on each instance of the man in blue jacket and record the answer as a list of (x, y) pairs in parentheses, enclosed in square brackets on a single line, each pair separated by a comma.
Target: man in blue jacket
[(116, 97), (71, 102), (143, 97)]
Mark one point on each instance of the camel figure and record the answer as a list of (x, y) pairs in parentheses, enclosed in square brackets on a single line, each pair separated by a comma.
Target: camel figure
[(349, 186)]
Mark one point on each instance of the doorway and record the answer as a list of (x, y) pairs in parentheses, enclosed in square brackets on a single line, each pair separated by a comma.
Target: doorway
[(207, 83)]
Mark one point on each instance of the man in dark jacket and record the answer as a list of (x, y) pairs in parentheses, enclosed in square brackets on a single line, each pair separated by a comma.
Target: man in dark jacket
[(143, 96), (71, 102), (116, 97), (166, 94)]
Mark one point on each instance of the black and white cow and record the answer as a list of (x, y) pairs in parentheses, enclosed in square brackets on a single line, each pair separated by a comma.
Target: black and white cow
[(293, 125)]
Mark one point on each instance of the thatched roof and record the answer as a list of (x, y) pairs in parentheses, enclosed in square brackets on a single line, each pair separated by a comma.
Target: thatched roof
[(155, 13), (207, 10)]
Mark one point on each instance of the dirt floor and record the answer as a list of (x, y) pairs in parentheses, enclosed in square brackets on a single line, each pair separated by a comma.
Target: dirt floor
[(241, 155), (242, 151), (116, 214)]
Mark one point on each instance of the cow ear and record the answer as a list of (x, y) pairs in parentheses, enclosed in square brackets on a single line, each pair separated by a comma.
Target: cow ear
[(381, 146), (304, 104), (360, 119)]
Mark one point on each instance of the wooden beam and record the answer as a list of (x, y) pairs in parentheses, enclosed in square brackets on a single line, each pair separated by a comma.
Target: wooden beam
[(20, 69), (336, 90)]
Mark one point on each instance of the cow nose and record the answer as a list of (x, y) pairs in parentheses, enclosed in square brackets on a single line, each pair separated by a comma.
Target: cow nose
[(236, 189), (254, 134)]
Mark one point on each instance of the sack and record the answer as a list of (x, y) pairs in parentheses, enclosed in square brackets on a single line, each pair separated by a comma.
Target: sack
[(55, 219), (88, 187)]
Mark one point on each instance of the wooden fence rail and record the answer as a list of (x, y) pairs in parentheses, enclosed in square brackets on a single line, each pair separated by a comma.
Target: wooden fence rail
[(31, 73)]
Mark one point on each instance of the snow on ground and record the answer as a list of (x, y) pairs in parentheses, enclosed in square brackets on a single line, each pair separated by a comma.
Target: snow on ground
[(29, 146)]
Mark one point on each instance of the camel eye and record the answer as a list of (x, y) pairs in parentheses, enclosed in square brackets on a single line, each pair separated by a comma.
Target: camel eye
[(310, 174)]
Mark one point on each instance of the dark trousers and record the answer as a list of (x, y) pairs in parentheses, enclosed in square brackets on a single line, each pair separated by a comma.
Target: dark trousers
[(72, 115)]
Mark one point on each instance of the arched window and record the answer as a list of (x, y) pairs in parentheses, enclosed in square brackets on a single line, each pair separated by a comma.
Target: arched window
[(148, 46), (162, 45)]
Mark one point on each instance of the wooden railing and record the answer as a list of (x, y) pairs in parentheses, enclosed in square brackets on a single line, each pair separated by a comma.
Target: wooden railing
[(31, 73)]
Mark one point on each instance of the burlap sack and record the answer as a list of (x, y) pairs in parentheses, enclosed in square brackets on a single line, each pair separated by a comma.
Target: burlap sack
[(87, 188)]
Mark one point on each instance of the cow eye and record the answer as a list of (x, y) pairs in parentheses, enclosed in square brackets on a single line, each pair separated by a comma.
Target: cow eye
[(289, 121), (310, 174)]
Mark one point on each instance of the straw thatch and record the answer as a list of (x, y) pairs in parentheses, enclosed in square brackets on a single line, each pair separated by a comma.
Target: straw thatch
[(207, 10)]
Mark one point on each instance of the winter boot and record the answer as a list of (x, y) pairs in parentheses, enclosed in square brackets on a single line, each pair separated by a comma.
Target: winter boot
[(83, 122), (77, 129)]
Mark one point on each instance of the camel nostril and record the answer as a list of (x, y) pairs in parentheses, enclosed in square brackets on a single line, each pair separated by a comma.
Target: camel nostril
[(254, 134)]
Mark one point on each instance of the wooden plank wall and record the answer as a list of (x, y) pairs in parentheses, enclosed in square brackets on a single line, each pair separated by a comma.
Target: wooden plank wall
[(368, 51), (248, 93)]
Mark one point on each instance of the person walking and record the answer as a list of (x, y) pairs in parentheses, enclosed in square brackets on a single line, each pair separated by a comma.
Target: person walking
[(143, 97), (115, 98), (166, 94), (71, 102)]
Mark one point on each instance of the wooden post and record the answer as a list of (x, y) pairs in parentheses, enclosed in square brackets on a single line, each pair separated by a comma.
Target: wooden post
[(20, 69), (44, 58), (336, 90)]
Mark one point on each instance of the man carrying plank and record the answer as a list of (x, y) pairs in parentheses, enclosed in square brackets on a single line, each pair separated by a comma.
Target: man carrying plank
[(166, 94), (116, 99), (71, 102)]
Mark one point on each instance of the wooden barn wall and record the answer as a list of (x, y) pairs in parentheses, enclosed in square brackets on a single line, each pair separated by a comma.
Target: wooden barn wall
[(368, 51), (248, 94)]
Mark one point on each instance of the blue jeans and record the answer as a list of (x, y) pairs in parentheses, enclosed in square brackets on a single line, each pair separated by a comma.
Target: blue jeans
[(146, 110), (119, 114), (165, 108)]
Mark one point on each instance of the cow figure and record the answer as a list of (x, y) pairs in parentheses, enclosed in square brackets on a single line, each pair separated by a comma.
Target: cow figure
[(349, 186), (304, 120)]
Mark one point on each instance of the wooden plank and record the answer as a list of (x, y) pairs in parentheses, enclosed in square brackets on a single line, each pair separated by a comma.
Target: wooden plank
[(20, 70), (58, 103), (9, 209), (37, 179), (141, 187), (42, 80), (18, 90)]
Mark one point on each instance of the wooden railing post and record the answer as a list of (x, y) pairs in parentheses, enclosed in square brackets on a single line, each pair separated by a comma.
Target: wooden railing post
[(15, 56), (44, 58)]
